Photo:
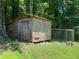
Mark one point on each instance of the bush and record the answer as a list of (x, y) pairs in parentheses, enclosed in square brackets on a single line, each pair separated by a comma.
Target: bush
[(15, 46)]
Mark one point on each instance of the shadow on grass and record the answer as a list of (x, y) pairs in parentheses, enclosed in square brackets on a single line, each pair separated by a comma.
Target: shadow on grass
[(13, 45)]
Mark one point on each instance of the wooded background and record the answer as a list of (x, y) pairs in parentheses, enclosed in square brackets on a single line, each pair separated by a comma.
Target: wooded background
[(62, 13)]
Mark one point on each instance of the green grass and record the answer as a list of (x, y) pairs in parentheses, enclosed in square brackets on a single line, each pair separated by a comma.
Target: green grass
[(52, 50)]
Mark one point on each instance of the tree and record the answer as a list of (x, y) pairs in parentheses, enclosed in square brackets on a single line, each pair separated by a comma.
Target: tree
[(15, 8), (60, 12), (3, 34), (8, 11), (28, 6)]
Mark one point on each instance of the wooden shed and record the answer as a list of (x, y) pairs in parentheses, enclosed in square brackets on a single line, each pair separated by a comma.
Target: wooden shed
[(30, 28)]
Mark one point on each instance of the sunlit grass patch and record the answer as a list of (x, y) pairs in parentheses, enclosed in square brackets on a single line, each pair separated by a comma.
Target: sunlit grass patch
[(46, 50)]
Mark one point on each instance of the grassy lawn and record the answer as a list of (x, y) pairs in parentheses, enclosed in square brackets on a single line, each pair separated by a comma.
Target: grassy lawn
[(52, 50)]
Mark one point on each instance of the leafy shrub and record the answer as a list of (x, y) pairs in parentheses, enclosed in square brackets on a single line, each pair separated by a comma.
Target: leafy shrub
[(15, 46)]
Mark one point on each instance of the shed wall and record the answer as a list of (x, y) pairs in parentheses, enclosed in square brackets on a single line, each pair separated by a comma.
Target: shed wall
[(41, 30), (30, 29), (24, 29), (12, 30), (36, 30)]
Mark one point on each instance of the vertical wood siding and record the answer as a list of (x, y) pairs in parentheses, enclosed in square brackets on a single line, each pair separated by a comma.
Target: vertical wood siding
[(29, 29), (41, 30), (24, 30)]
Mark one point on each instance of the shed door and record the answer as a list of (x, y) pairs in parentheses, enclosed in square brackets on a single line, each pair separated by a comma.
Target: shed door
[(24, 30)]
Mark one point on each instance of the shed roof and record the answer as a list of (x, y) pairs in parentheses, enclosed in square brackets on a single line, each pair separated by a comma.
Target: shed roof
[(27, 16), (30, 16)]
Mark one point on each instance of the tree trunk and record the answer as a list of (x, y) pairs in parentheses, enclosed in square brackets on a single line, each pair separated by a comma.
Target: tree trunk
[(3, 34)]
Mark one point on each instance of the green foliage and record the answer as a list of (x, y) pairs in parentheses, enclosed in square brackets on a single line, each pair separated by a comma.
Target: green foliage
[(15, 8), (57, 11), (15, 46), (42, 9)]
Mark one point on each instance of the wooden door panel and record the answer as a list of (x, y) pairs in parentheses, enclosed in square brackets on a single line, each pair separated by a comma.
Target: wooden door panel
[(24, 30)]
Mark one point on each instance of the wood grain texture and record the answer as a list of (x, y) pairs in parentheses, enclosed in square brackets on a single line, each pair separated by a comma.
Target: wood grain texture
[(30, 29)]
